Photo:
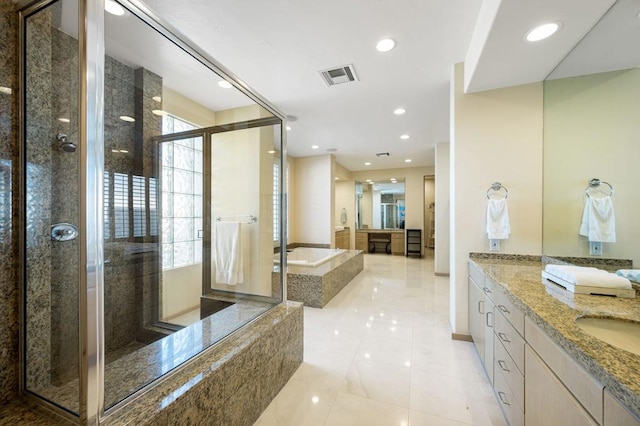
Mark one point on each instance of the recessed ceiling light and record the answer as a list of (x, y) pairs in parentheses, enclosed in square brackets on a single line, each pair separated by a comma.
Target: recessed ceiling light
[(224, 84), (399, 111), (404, 137), (288, 128), (159, 112), (392, 178), (292, 118), (314, 147), (113, 8), (368, 180), (5, 90), (408, 160), (157, 98), (367, 163), (336, 178), (127, 118), (542, 31), (385, 45), (64, 120), (271, 152)]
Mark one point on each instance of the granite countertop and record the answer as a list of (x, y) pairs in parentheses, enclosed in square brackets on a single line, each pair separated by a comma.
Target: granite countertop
[(555, 310)]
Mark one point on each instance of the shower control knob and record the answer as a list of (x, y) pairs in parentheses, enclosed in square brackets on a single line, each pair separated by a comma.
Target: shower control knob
[(64, 232)]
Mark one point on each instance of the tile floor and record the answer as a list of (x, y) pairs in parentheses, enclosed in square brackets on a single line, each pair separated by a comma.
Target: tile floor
[(381, 354)]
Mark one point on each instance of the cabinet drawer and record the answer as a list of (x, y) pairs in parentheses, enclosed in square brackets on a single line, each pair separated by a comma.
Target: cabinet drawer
[(510, 339), (578, 381), (503, 364), (507, 401), (615, 414), (512, 313)]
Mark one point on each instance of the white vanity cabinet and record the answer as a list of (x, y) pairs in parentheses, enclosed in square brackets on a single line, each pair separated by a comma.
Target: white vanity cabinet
[(481, 319)]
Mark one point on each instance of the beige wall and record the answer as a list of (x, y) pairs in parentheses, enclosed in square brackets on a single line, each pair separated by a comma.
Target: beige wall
[(182, 107), (311, 205), (591, 127), (441, 258), (495, 136)]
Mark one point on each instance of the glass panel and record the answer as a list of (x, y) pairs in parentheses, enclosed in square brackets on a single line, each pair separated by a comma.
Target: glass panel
[(51, 263)]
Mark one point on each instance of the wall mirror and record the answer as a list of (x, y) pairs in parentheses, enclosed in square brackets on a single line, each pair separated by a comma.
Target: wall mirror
[(380, 204), (591, 130)]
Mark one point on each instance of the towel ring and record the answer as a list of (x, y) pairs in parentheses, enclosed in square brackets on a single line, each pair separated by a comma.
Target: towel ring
[(497, 186), (595, 183)]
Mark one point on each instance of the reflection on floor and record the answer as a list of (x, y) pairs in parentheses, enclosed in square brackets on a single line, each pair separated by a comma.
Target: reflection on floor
[(380, 353)]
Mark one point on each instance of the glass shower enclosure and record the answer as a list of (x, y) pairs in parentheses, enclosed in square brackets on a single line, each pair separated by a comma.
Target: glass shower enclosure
[(151, 198)]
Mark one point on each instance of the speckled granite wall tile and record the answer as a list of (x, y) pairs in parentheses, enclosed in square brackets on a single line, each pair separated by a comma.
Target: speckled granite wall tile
[(9, 291)]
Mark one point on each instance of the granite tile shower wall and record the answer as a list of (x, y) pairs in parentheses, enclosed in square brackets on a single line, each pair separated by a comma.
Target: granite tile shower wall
[(9, 282)]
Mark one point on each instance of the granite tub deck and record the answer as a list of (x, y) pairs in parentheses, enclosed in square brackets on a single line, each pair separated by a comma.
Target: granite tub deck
[(554, 310), (316, 286), (230, 383)]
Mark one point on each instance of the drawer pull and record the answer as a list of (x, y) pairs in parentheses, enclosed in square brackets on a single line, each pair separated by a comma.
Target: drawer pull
[(504, 309), (487, 319), (486, 289), (503, 365), (503, 398), (481, 307), (504, 337)]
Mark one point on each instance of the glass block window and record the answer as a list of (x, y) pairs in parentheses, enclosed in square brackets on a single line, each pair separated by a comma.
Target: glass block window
[(276, 210), (182, 175), (138, 199), (121, 205), (153, 207)]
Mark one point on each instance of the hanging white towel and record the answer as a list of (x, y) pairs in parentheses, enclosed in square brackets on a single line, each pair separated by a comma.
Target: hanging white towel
[(498, 227), (598, 221), (228, 253)]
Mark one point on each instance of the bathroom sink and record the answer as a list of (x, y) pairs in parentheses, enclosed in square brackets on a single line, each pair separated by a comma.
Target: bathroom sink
[(616, 332)]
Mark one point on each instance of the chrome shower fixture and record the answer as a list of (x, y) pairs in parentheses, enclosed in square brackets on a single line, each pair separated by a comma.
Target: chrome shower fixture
[(65, 144)]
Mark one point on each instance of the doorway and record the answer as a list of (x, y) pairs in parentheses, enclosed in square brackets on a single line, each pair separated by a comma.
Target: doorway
[(429, 215)]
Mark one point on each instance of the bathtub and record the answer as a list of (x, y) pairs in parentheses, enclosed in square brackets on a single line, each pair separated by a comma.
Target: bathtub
[(305, 256)]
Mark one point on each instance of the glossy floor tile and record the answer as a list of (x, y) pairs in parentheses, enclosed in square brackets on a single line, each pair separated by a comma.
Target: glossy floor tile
[(380, 353)]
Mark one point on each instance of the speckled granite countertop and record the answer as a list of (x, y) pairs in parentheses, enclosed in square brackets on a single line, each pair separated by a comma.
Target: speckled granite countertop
[(555, 310)]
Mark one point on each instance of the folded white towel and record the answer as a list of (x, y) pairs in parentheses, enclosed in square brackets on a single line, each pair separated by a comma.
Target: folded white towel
[(630, 274), (598, 220), (498, 227), (587, 276), (228, 253)]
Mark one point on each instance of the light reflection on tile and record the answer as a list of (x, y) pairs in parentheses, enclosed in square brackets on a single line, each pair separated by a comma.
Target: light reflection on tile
[(392, 360)]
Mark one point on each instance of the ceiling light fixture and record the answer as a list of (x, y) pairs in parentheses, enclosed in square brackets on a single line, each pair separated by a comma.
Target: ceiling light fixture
[(157, 98), (367, 163), (543, 31), (271, 151), (5, 90), (64, 120), (385, 45), (113, 8), (224, 84), (288, 128), (404, 137), (127, 118), (314, 147), (159, 112), (399, 111), (408, 160)]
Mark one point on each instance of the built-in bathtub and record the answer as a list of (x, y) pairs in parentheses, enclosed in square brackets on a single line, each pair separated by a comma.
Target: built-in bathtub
[(315, 285), (308, 256)]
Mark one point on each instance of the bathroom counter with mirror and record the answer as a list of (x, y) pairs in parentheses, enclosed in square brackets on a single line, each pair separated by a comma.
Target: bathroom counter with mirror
[(554, 311)]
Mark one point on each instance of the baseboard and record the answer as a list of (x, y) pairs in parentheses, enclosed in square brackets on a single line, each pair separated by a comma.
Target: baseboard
[(463, 337), (441, 274)]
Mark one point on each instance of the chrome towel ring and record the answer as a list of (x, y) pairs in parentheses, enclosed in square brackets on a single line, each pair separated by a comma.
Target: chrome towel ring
[(595, 183), (497, 186)]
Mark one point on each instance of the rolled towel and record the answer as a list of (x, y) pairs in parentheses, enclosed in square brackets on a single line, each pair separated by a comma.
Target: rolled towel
[(630, 274), (588, 276)]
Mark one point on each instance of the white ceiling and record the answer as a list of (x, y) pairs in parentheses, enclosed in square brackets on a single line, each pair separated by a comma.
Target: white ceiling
[(277, 47)]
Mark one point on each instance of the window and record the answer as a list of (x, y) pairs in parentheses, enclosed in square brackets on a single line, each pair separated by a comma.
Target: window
[(276, 203)]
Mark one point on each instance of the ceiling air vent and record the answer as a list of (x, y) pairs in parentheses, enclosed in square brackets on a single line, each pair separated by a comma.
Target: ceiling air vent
[(339, 75)]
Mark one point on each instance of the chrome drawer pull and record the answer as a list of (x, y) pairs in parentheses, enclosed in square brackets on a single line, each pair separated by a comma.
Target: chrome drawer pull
[(486, 289), (503, 398), (487, 319), (481, 307), (503, 365), (504, 309), (504, 337)]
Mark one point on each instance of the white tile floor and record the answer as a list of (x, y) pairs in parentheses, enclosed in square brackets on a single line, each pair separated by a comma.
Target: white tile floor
[(381, 354)]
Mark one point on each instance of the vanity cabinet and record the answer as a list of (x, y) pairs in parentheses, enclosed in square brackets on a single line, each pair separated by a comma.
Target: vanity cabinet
[(362, 241), (481, 319), (397, 243), (615, 414), (343, 239)]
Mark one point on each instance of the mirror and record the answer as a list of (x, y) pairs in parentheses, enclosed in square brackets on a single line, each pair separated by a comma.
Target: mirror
[(380, 204), (591, 127)]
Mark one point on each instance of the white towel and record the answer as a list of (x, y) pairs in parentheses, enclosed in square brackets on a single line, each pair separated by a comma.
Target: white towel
[(228, 253), (598, 221), (498, 227), (588, 276)]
